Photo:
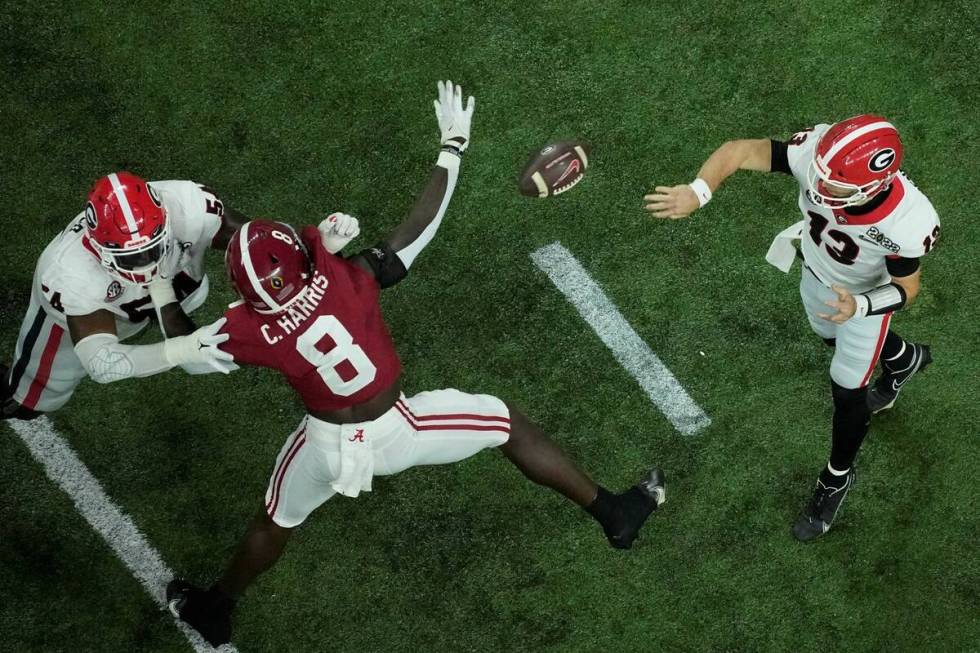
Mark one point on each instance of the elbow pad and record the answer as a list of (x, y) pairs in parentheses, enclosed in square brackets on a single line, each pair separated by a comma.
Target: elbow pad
[(387, 266), (107, 360)]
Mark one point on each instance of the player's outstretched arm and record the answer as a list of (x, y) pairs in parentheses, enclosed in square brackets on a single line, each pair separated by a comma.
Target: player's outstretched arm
[(680, 201), (390, 260), (106, 359)]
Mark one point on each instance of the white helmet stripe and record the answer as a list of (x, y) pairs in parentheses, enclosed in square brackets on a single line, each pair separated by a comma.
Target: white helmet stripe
[(250, 269), (854, 135), (124, 203)]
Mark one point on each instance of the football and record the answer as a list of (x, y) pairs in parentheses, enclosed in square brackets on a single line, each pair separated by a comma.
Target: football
[(554, 168)]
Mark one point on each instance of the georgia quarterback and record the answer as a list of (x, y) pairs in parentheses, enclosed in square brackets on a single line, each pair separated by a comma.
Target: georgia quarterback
[(865, 228), (136, 245)]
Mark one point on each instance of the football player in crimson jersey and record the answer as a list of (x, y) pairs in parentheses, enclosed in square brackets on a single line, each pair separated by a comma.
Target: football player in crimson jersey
[(865, 226), (314, 316), (136, 245)]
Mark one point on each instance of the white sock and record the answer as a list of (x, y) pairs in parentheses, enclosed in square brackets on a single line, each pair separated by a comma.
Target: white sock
[(835, 472)]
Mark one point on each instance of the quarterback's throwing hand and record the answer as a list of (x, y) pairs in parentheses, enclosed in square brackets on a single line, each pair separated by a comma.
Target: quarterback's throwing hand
[(845, 304), (454, 120), (672, 202), (337, 230)]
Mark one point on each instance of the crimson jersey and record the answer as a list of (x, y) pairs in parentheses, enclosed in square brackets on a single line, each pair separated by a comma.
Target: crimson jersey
[(332, 344)]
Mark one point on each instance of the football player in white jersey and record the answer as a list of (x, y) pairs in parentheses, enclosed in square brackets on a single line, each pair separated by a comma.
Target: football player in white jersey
[(135, 247), (865, 226)]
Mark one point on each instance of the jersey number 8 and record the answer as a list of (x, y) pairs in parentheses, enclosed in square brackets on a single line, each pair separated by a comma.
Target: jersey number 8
[(344, 350)]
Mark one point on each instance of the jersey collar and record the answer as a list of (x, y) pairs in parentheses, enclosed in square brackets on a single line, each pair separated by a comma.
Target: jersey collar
[(878, 211)]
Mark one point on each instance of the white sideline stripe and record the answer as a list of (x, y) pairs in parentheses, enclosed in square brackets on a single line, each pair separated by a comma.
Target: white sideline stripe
[(64, 468), (613, 329)]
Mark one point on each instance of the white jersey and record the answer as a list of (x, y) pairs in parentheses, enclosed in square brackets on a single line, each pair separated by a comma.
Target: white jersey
[(850, 250), (70, 279)]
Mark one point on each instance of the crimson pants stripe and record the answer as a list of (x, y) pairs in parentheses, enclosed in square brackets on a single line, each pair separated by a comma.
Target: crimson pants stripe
[(44, 369), (280, 470), (450, 427), (448, 416), (25, 355), (282, 475), (881, 341)]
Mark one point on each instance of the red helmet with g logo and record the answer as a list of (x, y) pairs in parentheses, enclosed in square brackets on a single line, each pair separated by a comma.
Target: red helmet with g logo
[(127, 226), (861, 154), (268, 265)]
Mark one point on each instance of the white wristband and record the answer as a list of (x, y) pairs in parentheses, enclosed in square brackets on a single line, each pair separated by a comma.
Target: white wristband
[(701, 189), (862, 305), (448, 160)]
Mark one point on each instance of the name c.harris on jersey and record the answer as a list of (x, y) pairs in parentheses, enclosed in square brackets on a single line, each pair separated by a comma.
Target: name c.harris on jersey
[(304, 306)]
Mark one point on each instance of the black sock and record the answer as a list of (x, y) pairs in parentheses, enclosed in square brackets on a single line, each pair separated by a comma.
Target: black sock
[(603, 506), (850, 425), (897, 355)]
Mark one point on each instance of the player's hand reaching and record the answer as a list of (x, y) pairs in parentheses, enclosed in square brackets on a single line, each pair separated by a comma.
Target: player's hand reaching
[(673, 202), (337, 230), (200, 349), (454, 120), (845, 304)]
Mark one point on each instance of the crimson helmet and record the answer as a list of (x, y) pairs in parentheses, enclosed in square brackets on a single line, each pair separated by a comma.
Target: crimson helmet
[(267, 265), (127, 226), (861, 154)]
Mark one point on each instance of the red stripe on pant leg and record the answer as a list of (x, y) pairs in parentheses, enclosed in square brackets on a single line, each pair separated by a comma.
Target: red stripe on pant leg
[(44, 369), (451, 427), (278, 488), (282, 463), (881, 342), (445, 416)]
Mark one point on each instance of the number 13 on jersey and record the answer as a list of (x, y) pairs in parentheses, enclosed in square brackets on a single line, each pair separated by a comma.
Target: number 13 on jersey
[(344, 350)]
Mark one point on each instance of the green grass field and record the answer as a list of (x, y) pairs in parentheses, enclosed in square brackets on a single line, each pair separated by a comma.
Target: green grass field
[(295, 109)]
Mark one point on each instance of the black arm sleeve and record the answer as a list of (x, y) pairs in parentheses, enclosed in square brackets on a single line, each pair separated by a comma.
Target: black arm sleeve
[(780, 158), (388, 269), (901, 266)]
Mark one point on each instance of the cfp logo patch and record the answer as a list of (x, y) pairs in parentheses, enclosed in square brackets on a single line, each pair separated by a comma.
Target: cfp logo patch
[(113, 291), (882, 160), (875, 236)]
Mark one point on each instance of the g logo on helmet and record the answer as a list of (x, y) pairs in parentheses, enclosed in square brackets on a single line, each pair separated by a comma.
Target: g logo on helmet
[(152, 192), (881, 160), (91, 217)]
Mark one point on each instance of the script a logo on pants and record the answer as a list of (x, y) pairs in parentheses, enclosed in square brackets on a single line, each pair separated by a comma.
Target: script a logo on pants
[(357, 437)]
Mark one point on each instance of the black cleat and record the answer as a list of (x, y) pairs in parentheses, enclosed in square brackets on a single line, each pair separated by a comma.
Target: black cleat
[(633, 507), (884, 392), (819, 514), (206, 611)]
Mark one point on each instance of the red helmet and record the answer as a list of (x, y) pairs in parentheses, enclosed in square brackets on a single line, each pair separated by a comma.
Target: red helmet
[(268, 265), (861, 154), (127, 226)]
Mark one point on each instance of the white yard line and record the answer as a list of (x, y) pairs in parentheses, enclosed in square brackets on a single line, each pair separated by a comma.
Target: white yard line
[(613, 329), (64, 468)]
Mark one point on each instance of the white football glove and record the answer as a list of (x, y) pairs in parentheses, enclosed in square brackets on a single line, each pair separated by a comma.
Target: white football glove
[(337, 230), (454, 121), (200, 349)]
